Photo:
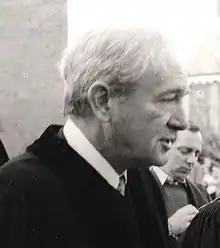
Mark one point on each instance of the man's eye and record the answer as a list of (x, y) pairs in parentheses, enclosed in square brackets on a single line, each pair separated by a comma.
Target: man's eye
[(171, 98), (184, 151)]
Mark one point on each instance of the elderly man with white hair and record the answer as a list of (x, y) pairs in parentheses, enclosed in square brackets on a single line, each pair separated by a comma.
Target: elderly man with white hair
[(123, 104)]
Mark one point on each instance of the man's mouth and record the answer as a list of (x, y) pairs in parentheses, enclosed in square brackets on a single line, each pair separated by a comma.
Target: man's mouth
[(185, 170)]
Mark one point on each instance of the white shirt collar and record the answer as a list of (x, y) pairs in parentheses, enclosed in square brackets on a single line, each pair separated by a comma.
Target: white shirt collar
[(162, 176), (76, 140)]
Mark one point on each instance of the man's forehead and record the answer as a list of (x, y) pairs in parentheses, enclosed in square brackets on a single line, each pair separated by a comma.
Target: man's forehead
[(166, 77), (176, 82), (188, 138)]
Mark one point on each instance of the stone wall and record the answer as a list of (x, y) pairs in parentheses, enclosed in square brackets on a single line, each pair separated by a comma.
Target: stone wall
[(204, 106), (32, 35)]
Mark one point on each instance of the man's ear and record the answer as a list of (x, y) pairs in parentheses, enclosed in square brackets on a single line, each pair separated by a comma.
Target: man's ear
[(98, 97)]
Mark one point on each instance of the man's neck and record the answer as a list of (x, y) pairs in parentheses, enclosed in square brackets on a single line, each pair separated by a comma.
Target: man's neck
[(89, 127), (93, 131), (120, 162), (172, 175), (79, 142)]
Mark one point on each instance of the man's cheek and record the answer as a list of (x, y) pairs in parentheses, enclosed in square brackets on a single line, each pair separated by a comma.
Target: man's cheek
[(162, 115), (180, 159)]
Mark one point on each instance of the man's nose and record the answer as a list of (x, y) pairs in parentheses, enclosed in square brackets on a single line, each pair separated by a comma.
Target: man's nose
[(178, 120), (177, 123), (192, 159)]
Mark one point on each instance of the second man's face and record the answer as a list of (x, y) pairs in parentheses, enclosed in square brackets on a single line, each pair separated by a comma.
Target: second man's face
[(184, 154)]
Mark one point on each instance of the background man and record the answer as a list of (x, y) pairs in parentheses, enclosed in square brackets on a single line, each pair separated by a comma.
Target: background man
[(123, 103), (208, 172), (182, 197)]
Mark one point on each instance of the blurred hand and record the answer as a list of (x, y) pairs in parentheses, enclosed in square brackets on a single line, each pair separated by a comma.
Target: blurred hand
[(181, 219)]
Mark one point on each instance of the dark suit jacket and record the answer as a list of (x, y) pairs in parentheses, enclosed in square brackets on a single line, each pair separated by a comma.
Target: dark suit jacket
[(149, 207), (197, 195), (51, 197), (204, 230), (3, 154)]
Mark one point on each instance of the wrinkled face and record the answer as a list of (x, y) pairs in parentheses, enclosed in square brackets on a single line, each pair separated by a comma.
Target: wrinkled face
[(146, 123), (183, 155)]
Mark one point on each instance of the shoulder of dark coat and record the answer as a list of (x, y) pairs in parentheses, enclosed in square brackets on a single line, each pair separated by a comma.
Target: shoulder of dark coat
[(201, 189), (25, 172)]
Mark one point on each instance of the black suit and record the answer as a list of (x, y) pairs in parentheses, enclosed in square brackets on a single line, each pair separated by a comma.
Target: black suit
[(3, 154), (149, 207), (51, 197), (204, 230), (198, 194)]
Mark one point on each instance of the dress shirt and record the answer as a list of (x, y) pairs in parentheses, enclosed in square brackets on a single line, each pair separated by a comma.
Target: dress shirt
[(162, 176), (77, 141)]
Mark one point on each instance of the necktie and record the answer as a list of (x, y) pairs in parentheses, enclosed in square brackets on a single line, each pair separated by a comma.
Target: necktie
[(121, 184), (173, 181)]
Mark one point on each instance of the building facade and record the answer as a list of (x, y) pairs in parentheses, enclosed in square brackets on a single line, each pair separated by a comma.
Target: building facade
[(33, 35), (204, 101)]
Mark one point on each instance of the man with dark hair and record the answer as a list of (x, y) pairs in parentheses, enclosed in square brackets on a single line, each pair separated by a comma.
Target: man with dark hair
[(182, 197), (123, 103)]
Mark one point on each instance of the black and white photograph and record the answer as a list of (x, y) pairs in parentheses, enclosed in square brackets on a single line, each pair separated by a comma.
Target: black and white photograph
[(110, 124)]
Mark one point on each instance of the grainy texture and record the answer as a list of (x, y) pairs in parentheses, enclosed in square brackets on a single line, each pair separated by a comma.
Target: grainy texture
[(32, 37)]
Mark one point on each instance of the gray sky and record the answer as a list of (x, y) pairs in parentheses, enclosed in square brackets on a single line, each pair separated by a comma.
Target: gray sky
[(186, 21)]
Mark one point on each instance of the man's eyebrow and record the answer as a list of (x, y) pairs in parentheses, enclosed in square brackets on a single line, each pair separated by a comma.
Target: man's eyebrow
[(178, 91), (186, 147), (183, 147)]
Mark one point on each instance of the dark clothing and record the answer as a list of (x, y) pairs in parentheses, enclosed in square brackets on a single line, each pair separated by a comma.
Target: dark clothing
[(51, 197), (175, 198), (149, 207), (203, 190), (3, 154), (204, 230), (195, 196), (213, 196)]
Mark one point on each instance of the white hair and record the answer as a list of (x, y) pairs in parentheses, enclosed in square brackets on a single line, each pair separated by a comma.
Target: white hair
[(119, 57)]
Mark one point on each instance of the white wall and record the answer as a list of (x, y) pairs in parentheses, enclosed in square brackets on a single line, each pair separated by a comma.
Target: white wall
[(32, 36)]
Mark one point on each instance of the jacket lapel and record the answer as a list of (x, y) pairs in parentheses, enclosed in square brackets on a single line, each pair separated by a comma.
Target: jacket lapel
[(149, 207), (159, 185), (195, 195)]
